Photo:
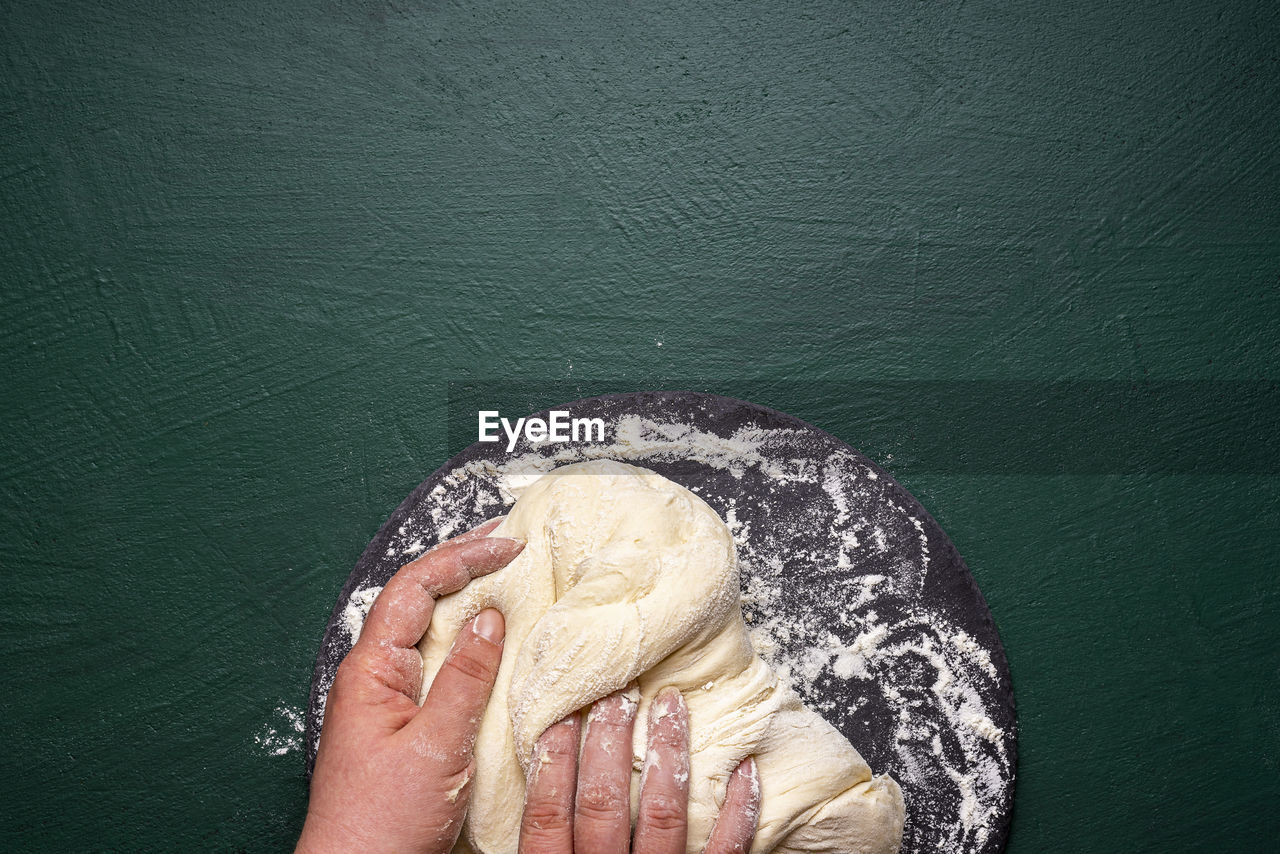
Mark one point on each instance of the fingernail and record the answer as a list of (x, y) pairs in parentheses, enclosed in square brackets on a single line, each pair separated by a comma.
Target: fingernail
[(487, 526), (669, 700), (503, 548), (490, 625), (508, 542), (627, 703)]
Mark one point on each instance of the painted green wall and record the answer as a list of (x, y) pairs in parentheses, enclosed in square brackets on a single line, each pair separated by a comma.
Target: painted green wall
[(245, 248)]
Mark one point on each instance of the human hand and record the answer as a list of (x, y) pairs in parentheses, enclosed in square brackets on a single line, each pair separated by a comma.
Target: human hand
[(391, 776), (586, 806)]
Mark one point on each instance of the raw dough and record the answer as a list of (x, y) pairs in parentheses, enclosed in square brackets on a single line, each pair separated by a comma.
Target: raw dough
[(629, 576)]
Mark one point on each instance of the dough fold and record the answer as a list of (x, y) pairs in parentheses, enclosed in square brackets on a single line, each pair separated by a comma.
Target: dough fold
[(628, 576)]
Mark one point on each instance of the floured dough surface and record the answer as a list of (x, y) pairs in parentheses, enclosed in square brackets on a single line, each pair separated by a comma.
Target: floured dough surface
[(628, 576)]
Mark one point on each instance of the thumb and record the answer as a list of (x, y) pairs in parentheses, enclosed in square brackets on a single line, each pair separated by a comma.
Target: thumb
[(447, 723)]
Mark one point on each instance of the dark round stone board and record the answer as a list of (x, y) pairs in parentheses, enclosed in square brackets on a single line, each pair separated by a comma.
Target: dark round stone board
[(853, 591)]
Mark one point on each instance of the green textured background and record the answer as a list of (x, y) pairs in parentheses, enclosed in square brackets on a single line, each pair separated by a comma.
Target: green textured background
[(246, 247)]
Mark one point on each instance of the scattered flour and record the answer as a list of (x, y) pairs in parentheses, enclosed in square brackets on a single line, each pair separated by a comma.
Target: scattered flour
[(357, 609), (284, 736)]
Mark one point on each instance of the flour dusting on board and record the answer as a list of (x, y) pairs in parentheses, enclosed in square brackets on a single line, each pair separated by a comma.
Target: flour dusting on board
[(909, 687), (357, 609)]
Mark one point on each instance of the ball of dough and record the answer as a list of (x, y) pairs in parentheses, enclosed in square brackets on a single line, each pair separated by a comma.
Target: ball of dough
[(628, 576)]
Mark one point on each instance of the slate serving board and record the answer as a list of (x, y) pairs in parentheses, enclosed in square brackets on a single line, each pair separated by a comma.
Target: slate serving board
[(884, 630)]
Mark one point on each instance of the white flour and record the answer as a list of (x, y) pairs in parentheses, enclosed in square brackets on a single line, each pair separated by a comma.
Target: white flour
[(284, 736), (358, 608), (950, 758)]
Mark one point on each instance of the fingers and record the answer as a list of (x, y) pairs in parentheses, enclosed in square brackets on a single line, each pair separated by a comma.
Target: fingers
[(602, 810), (481, 530), (445, 727), (402, 611), (547, 825), (736, 827), (663, 820)]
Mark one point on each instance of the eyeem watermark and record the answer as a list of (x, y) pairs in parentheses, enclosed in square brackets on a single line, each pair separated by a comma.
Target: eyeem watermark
[(559, 427)]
